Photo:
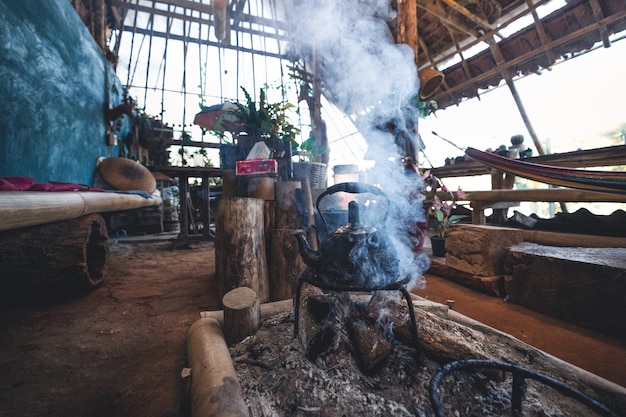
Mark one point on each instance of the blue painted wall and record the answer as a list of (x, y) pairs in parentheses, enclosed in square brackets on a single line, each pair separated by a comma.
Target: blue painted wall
[(52, 93)]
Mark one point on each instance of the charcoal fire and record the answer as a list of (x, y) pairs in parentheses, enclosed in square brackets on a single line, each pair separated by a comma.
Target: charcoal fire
[(335, 320)]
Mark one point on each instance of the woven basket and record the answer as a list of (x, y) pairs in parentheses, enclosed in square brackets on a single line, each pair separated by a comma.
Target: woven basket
[(126, 174), (430, 81), (314, 171)]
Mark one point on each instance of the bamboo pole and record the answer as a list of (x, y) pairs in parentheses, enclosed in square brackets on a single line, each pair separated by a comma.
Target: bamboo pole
[(30, 208), (215, 388)]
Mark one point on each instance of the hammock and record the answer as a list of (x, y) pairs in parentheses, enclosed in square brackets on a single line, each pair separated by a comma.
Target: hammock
[(606, 181)]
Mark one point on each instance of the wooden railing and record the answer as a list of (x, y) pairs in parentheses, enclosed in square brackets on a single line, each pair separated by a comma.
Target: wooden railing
[(599, 157), (500, 199)]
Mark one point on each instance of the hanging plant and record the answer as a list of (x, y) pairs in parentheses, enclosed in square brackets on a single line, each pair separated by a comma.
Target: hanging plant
[(425, 108), (264, 121)]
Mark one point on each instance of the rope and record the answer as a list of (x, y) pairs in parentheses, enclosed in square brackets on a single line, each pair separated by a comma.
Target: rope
[(252, 55), (145, 91), (130, 59), (449, 141), (164, 62)]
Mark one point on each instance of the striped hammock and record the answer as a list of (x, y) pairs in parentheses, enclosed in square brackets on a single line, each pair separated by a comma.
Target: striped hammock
[(607, 181)]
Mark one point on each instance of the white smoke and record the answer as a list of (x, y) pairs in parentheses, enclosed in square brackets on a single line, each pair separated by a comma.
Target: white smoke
[(368, 75), (374, 80)]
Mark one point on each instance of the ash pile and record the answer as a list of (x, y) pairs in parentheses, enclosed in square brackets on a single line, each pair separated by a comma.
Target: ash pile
[(326, 371)]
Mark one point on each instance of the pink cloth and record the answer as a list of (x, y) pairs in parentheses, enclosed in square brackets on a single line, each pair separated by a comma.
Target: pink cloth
[(28, 184), (61, 186), (16, 183)]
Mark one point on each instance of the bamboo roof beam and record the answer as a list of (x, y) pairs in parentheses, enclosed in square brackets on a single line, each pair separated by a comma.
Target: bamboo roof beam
[(529, 55), (471, 16), (506, 75)]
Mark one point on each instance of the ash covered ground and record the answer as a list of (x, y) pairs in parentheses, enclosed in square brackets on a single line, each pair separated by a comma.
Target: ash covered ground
[(278, 380)]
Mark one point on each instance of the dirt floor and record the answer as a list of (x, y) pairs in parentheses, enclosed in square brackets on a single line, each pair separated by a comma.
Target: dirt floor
[(119, 350)]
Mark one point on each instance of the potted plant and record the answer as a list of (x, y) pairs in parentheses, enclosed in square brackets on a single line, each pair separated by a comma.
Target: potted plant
[(441, 211), (266, 121), (252, 122), (437, 212)]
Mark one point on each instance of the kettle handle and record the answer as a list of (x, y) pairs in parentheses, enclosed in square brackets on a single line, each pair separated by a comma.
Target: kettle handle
[(349, 187)]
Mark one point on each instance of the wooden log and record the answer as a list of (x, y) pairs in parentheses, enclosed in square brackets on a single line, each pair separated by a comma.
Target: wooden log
[(240, 258), (492, 285), (269, 211), (287, 216), (71, 254), (267, 310), (261, 187), (371, 346), (286, 264), (242, 314), (308, 327), (215, 389), (584, 286), (479, 250)]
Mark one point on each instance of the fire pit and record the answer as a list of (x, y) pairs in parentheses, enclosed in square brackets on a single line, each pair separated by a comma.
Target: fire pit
[(277, 379), (308, 277)]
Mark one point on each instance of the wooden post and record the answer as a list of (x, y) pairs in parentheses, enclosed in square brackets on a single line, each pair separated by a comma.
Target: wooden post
[(68, 254), (242, 314), (264, 188), (286, 205), (286, 264), (240, 258), (229, 183), (261, 187), (407, 25)]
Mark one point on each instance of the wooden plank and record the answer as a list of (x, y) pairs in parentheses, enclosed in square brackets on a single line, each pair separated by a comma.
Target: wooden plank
[(481, 200), (544, 194), (599, 157), (573, 239)]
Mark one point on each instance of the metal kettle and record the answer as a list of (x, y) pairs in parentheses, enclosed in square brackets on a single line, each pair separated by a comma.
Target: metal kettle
[(355, 255)]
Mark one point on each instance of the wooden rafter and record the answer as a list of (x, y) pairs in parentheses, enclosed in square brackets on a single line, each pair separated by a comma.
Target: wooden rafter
[(437, 10), (541, 31), (474, 40), (597, 12), (616, 20)]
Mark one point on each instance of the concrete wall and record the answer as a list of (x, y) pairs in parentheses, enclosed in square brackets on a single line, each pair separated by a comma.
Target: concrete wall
[(53, 83)]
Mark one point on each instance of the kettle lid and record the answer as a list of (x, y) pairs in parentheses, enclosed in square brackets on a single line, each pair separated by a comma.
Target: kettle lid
[(354, 226)]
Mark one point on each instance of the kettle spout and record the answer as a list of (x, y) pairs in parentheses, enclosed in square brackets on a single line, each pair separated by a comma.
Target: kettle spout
[(311, 257)]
